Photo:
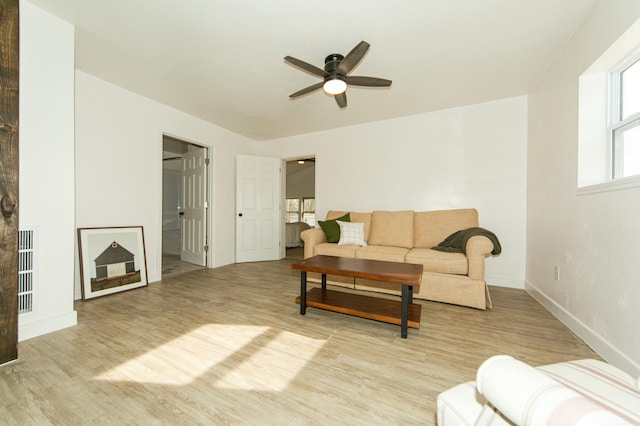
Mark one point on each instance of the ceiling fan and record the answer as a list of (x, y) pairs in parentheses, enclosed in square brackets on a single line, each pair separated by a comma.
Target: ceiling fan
[(335, 74)]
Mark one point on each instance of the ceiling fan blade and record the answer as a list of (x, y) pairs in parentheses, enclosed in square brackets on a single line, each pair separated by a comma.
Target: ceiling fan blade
[(307, 90), (368, 81), (341, 99), (351, 60), (305, 66)]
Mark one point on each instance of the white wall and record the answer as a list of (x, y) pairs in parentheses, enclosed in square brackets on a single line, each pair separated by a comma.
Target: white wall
[(472, 156), (593, 238), (46, 200), (119, 166), (302, 184)]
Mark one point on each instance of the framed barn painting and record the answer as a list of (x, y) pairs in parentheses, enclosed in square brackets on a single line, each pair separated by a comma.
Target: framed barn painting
[(111, 260)]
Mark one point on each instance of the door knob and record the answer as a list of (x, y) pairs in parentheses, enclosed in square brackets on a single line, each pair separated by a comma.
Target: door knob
[(240, 214), (181, 214)]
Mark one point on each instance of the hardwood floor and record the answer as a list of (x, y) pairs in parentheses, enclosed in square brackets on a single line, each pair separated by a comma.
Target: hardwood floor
[(172, 265), (228, 346)]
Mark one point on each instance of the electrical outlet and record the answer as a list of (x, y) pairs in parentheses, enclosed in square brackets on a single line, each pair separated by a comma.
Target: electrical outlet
[(556, 273)]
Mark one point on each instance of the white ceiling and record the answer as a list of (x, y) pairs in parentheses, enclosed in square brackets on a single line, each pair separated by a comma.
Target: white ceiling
[(223, 60)]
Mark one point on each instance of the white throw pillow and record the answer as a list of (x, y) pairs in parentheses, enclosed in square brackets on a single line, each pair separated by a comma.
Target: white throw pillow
[(351, 233)]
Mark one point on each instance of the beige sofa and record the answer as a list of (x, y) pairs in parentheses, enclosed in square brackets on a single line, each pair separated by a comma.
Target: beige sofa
[(408, 236)]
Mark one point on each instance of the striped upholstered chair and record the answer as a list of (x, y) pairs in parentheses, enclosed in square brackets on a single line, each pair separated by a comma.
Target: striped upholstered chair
[(510, 392)]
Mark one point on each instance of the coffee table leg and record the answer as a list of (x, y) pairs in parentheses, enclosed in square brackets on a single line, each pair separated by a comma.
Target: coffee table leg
[(303, 292), (324, 281), (405, 310)]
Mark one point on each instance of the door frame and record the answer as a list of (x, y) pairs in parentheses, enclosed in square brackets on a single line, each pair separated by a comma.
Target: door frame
[(284, 191), (210, 225)]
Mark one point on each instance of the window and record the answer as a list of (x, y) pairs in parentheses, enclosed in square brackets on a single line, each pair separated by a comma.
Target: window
[(301, 210), (309, 211), (624, 115), (293, 210), (609, 118)]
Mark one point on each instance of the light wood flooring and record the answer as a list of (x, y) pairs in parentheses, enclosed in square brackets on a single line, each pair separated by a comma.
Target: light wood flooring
[(228, 346), (172, 265)]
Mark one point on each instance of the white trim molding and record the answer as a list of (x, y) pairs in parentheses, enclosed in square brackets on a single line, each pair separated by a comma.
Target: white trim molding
[(611, 354)]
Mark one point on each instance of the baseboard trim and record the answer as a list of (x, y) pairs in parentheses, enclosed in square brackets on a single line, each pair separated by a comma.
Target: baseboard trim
[(40, 326), (596, 342), (504, 282)]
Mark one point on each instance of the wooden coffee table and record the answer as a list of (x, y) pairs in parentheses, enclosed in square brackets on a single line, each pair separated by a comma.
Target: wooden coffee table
[(406, 275)]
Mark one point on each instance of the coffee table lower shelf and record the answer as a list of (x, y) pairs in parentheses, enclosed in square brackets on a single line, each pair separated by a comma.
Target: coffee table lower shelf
[(362, 306)]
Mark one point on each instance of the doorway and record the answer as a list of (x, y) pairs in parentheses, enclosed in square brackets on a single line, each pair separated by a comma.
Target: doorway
[(184, 206), (300, 194)]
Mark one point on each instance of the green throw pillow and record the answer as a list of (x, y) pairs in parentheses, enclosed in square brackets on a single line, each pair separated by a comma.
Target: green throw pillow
[(332, 229)]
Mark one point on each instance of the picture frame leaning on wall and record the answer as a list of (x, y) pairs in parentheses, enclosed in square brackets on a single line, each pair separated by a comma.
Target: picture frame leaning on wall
[(112, 260)]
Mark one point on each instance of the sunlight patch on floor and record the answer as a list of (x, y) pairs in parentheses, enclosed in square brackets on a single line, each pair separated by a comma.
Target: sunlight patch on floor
[(274, 365), (228, 356)]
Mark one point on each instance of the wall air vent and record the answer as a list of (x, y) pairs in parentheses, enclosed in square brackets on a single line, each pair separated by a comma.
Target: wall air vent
[(26, 265)]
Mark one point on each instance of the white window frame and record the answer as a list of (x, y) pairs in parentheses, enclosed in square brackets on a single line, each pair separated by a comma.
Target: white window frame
[(291, 211), (301, 211), (615, 116), (595, 149)]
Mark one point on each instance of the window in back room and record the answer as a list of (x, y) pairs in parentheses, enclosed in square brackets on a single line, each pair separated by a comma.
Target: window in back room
[(301, 210), (300, 200), (293, 210)]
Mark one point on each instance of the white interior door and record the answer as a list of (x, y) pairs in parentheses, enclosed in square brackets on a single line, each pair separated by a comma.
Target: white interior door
[(193, 214), (257, 208)]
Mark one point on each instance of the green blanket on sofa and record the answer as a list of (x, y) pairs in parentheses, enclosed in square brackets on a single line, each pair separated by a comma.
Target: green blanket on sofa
[(457, 242)]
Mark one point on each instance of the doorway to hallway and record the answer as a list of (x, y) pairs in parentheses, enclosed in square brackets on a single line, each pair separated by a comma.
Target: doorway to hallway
[(184, 206)]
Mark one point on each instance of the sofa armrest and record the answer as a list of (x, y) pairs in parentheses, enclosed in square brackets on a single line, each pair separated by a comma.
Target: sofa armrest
[(478, 248), (526, 395), (311, 237)]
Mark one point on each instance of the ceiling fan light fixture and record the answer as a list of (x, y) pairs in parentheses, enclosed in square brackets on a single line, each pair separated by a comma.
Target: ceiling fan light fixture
[(335, 75), (335, 85)]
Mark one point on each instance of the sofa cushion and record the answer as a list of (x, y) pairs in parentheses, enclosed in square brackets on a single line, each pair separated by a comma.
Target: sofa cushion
[(355, 217), (391, 229), (391, 254), (331, 228), (433, 227), (333, 249), (364, 218), (351, 233), (335, 214), (438, 261)]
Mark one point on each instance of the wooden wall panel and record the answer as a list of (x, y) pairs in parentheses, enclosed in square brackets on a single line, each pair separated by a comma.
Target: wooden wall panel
[(9, 49)]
